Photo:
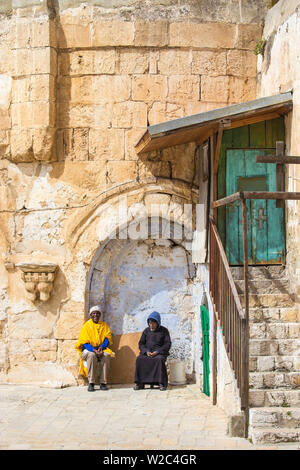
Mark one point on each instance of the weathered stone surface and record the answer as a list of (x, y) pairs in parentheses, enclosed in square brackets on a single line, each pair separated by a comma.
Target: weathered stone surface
[(241, 90), (4, 144), (5, 91), (81, 176), (33, 114), (271, 436), (112, 33), (80, 115), (148, 33), (149, 87), (176, 156), (67, 353), (44, 349), (34, 88), (131, 138), (196, 107), (74, 35), (4, 363), (212, 35), (42, 88), (265, 363), (148, 168), (44, 148), (5, 119), (160, 112), (88, 62), (6, 64), (92, 89), (34, 61), (183, 88), (106, 144), (241, 63), (73, 144), (42, 373), (29, 324), (174, 61), (21, 145), (236, 425), (70, 322), (121, 171), (269, 300), (209, 63), (247, 36), (129, 114), (132, 61), (215, 88)]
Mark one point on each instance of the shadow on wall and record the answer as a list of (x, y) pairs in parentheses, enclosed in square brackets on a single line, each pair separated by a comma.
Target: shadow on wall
[(123, 365)]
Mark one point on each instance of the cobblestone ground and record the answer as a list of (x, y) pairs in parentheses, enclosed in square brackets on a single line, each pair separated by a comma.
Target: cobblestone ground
[(33, 417)]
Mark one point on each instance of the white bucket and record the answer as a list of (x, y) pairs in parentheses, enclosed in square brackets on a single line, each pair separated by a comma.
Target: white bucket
[(177, 373)]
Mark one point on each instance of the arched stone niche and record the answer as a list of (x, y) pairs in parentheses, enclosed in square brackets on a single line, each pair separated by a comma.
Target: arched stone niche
[(130, 278)]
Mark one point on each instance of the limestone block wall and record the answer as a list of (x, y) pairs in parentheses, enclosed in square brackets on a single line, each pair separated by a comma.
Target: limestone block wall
[(80, 82), (279, 72)]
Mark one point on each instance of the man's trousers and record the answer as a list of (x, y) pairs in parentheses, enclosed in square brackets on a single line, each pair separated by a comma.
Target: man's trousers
[(97, 367)]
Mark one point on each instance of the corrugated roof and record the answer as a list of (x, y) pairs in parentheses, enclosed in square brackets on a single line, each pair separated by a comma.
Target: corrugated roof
[(198, 127)]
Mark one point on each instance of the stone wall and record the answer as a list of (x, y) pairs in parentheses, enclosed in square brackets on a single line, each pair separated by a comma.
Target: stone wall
[(79, 85), (279, 69)]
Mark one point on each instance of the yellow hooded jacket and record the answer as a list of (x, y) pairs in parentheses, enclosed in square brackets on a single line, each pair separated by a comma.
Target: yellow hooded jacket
[(93, 333)]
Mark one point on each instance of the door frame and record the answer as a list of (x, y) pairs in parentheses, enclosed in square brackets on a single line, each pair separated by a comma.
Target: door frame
[(262, 134)]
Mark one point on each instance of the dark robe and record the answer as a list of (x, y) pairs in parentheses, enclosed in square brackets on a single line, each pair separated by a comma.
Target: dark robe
[(152, 370)]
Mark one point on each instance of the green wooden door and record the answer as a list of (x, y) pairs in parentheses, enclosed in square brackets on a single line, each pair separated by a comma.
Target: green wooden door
[(266, 237)]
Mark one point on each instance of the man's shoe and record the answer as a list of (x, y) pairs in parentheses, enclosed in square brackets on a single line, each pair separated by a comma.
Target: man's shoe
[(103, 387), (91, 388), (162, 388), (139, 387)]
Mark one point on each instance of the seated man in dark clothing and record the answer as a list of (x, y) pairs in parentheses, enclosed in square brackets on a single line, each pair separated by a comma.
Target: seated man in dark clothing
[(154, 347)]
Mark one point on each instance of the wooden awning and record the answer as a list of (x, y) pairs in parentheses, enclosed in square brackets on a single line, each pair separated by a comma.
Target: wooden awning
[(198, 127)]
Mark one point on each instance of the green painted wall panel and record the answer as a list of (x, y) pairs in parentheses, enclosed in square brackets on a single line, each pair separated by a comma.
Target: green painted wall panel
[(274, 131), (240, 137), (257, 135)]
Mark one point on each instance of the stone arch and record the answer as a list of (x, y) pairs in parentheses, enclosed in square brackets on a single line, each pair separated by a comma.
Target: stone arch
[(131, 278), (104, 208), (164, 208), (112, 253)]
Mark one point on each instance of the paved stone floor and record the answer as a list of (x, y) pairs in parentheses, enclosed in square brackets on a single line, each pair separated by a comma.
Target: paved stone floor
[(33, 417)]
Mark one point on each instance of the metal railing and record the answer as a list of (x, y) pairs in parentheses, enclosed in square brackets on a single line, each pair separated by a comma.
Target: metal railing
[(234, 320), (231, 316)]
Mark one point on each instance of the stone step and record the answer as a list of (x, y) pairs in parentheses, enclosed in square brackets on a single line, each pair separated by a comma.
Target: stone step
[(279, 347), (274, 314), (274, 397), (275, 286), (259, 272), (274, 363), (274, 330), (274, 380), (269, 300), (273, 435), (272, 416)]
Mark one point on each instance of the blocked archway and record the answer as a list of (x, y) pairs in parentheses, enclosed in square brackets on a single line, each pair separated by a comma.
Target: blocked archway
[(132, 277)]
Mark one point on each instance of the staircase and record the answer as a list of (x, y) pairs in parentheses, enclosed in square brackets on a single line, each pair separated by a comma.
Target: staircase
[(274, 350)]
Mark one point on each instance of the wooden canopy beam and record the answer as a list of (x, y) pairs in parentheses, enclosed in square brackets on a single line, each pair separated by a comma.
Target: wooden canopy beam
[(240, 195)]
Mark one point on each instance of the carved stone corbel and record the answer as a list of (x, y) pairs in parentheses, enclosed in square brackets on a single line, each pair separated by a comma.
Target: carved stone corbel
[(38, 279)]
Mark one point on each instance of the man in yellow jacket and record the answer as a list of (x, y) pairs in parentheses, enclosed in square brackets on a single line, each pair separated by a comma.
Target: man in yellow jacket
[(93, 346)]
